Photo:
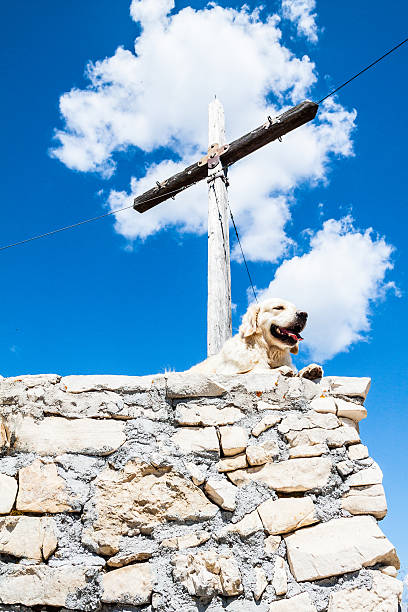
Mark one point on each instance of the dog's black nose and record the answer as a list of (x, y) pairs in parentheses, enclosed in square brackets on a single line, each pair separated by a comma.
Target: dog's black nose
[(302, 316)]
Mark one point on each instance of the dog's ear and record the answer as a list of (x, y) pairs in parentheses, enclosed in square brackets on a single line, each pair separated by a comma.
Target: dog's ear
[(295, 349), (249, 322)]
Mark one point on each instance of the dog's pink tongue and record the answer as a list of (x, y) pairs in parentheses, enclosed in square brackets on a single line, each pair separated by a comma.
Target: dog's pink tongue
[(292, 335)]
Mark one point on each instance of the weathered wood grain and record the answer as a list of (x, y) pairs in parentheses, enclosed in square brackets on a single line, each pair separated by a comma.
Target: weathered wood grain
[(219, 327), (262, 135)]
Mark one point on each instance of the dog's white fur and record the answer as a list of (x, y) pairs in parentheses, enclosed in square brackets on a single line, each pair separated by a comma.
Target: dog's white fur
[(254, 347)]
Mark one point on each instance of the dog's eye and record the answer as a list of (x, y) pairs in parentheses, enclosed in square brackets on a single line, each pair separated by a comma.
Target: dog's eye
[(279, 308)]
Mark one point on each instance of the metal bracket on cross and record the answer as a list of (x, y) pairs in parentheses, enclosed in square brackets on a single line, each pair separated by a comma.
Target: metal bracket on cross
[(213, 155)]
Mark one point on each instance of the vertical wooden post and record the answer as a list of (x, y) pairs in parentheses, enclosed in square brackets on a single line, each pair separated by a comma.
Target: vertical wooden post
[(219, 327)]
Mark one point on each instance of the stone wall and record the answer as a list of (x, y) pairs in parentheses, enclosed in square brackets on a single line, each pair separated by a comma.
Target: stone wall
[(177, 493)]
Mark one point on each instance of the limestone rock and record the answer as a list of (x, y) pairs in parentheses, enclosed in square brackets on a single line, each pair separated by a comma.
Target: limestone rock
[(287, 476), (267, 422), (337, 547), (262, 453), (56, 435), (190, 540), (197, 440), (8, 492), (299, 603), (304, 450), (132, 585), (345, 468), (370, 476), (256, 455), (222, 492), (139, 552), (357, 451), (195, 414), (197, 473), (41, 585), (27, 537), (310, 420), (384, 596), (389, 570), (41, 489), (355, 412), (207, 573), (271, 544), (301, 387), (348, 385), (137, 499), (334, 438), (251, 523), (233, 463), (188, 384), (230, 576), (234, 440), (94, 404), (280, 580), (324, 405), (261, 582), (366, 500), (110, 382), (260, 382), (287, 514)]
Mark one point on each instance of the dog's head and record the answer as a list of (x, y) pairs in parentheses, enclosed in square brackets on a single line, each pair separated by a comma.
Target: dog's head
[(278, 321)]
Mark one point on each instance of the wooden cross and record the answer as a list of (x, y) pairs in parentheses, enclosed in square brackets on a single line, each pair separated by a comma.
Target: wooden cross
[(213, 166)]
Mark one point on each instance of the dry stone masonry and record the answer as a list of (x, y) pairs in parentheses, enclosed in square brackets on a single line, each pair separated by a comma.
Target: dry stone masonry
[(179, 493)]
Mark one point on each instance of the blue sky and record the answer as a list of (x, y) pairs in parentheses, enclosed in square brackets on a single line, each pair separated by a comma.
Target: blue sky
[(99, 299)]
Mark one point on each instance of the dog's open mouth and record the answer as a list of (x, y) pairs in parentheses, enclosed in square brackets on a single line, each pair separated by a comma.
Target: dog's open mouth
[(291, 335)]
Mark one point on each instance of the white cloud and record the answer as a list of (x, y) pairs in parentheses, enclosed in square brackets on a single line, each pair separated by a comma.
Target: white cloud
[(301, 13), (336, 282), (158, 95), (150, 12)]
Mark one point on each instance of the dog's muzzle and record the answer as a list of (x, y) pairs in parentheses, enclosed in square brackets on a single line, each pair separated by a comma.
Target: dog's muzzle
[(291, 334)]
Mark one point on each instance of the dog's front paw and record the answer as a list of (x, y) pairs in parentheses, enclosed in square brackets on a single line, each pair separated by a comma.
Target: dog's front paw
[(286, 371), (311, 372)]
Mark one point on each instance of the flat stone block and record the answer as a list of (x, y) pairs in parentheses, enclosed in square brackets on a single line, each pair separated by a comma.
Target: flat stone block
[(131, 585), (41, 489), (337, 547), (108, 382), (290, 476), (56, 435), (348, 385), (251, 523), (197, 439), (384, 596), (234, 439), (221, 492), (186, 384), (370, 476), (27, 537), (229, 464), (41, 585), (366, 500), (207, 415), (299, 603), (357, 451), (8, 492), (287, 514), (350, 410)]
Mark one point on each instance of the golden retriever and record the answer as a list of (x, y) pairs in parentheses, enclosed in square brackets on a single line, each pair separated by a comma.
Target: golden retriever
[(269, 332)]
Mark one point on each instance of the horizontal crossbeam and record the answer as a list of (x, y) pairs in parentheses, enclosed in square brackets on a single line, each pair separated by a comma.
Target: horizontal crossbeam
[(272, 130)]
